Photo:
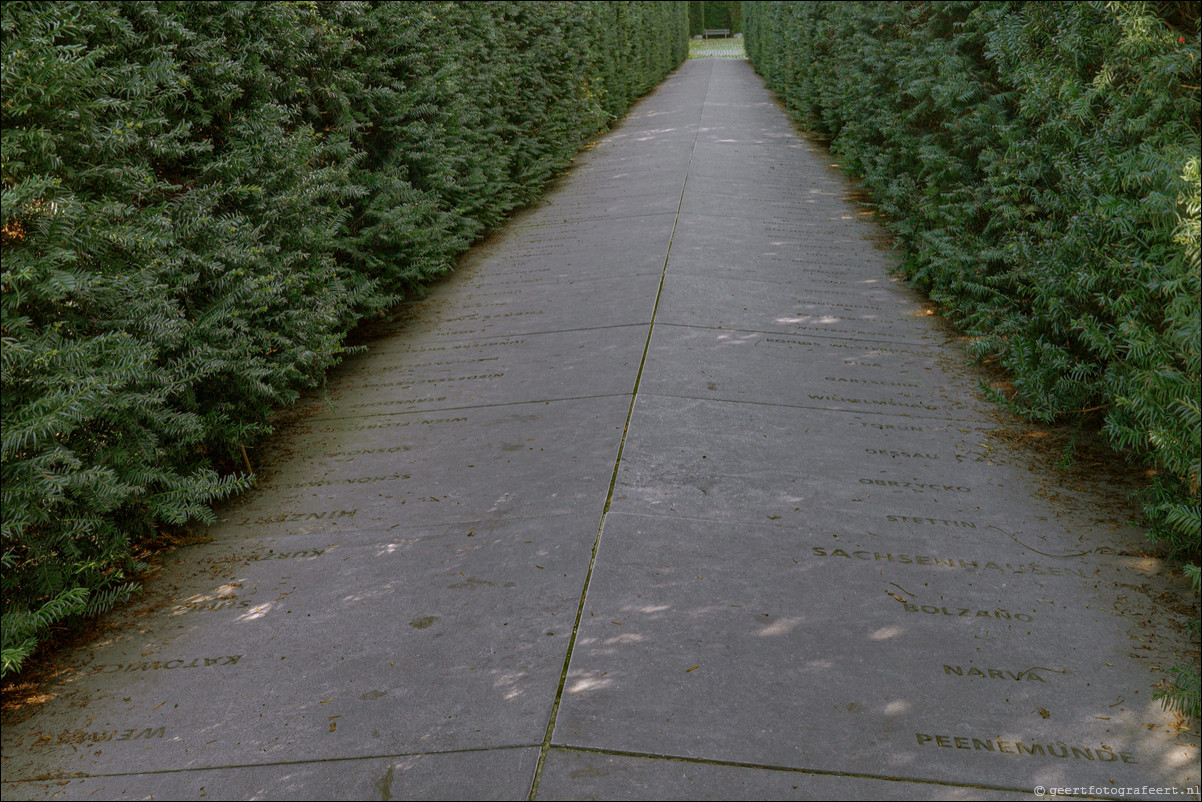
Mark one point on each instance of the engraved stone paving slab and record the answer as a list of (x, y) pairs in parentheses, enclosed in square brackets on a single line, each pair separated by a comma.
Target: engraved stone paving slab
[(824, 372), (702, 246), (670, 491), (437, 374), (575, 774), (478, 774), (764, 306), (915, 480), (598, 303), (464, 464), (428, 645), (685, 640)]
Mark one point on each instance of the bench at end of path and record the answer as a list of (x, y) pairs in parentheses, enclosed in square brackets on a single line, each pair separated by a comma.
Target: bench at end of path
[(723, 32)]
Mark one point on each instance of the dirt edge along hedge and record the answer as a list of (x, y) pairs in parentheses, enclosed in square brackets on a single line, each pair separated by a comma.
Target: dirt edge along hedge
[(201, 199), (1039, 165)]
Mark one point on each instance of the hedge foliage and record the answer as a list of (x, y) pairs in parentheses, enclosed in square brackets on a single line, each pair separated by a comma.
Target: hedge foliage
[(1039, 163), (710, 14), (201, 199)]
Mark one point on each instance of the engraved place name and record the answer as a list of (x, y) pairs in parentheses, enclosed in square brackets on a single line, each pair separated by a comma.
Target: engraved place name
[(406, 326), (77, 737), (494, 292), (1059, 749), (807, 236), (841, 257), (358, 480), (224, 603), (839, 305), (359, 452), (467, 360), (779, 341), (892, 427), (776, 203), (444, 362), (844, 257), (484, 282), (272, 554), (871, 381), (511, 314), (949, 562), (878, 452), (878, 351), (536, 255), (457, 332), (407, 383), (480, 318), (917, 487), (461, 346), (856, 291), (521, 266), (967, 612), (478, 305), (875, 402), (563, 229), (522, 279), (545, 232), (803, 228), (398, 400), (818, 263), (793, 221), (401, 402), (1028, 675), (485, 345), (167, 665), (801, 317), (528, 251), (297, 517), (906, 519), (401, 424), (606, 193)]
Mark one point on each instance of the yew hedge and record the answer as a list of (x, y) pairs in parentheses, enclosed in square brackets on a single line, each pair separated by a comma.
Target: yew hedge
[(201, 199)]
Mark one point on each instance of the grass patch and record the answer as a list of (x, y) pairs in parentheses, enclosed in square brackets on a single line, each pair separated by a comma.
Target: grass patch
[(717, 48)]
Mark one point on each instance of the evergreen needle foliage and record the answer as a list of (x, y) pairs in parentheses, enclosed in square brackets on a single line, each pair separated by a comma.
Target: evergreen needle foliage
[(1039, 164), (201, 199)]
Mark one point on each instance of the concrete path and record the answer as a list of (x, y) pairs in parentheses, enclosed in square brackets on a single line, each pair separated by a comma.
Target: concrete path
[(670, 492)]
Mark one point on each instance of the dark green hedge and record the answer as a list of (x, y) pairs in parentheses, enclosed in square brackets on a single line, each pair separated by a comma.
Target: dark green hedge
[(201, 199), (1039, 163), (711, 14)]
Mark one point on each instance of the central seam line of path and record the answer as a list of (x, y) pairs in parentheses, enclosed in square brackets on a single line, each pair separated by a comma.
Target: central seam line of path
[(567, 660)]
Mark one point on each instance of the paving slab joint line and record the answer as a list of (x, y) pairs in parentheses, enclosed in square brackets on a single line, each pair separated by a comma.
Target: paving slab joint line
[(866, 338), (563, 676), (540, 331), (583, 221), (851, 411), (231, 766), (334, 418), (851, 775)]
